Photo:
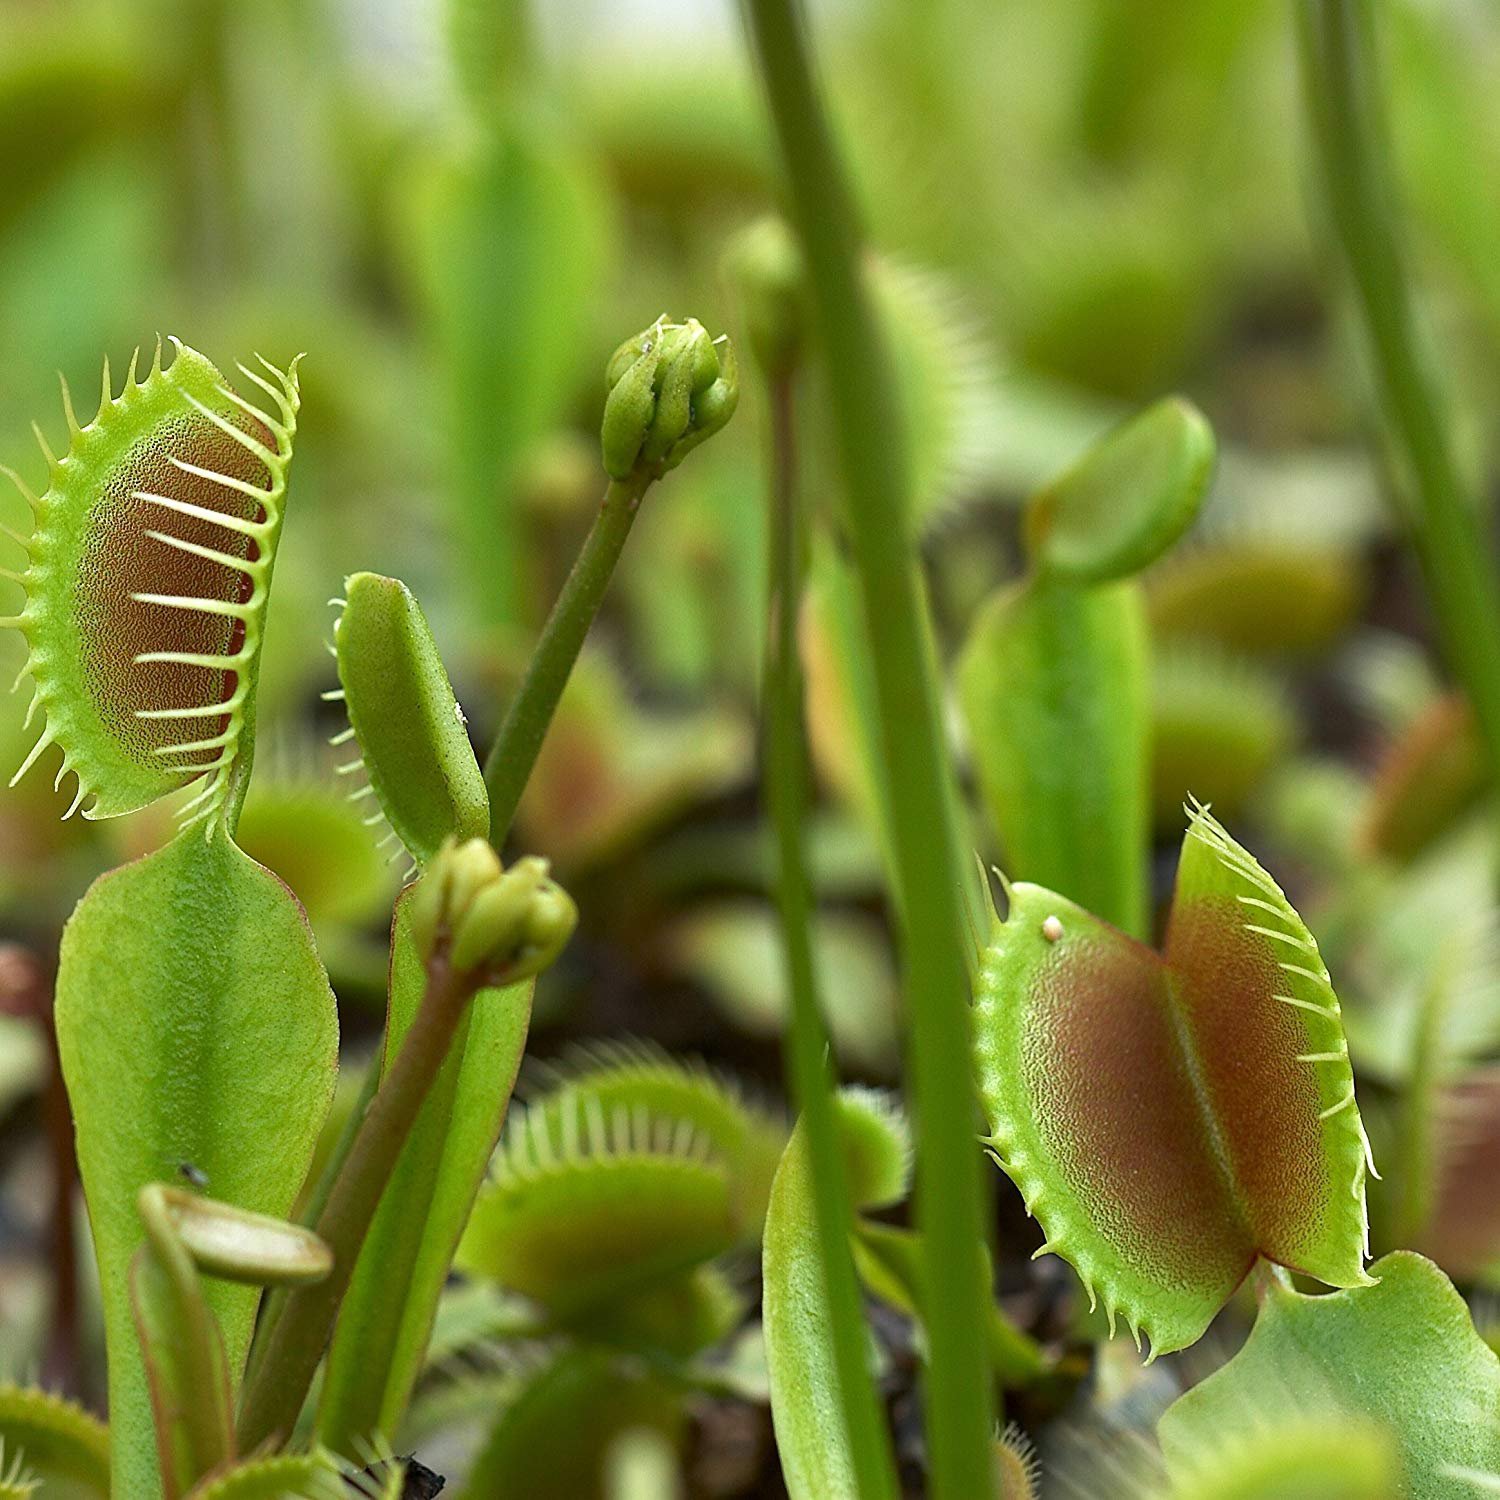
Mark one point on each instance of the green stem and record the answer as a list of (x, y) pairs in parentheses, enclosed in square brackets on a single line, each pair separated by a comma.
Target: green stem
[(519, 742), (275, 1300), (1339, 79), (280, 1382), (866, 421), (786, 775)]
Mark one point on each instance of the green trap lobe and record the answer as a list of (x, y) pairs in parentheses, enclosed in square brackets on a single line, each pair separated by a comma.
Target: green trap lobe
[(1246, 1044), (121, 559), (1116, 1107)]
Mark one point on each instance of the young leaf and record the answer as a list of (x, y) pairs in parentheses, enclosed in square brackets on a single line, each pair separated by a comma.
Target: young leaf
[(1053, 684), (65, 1447), (1169, 1118), (806, 1406), (149, 570), (411, 733), (1128, 499), (387, 1313), (196, 1026), (1401, 1353), (233, 1245)]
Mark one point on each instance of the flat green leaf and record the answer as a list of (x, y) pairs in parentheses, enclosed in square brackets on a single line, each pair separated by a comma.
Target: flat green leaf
[(196, 1026), (65, 1447), (408, 725), (1053, 684), (1401, 1353), (1170, 1117), (1128, 499), (388, 1312)]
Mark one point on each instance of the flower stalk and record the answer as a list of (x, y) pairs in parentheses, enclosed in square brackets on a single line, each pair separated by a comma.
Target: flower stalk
[(1340, 84), (671, 387), (867, 432), (787, 794)]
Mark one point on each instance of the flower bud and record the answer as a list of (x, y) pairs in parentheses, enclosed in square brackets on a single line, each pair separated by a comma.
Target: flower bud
[(670, 387), (500, 924)]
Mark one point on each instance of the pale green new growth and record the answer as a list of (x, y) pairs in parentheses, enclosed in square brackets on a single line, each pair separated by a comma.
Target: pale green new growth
[(409, 731)]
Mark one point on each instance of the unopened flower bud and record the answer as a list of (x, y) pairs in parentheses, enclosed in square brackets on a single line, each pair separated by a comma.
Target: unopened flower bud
[(500, 924), (670, 387)]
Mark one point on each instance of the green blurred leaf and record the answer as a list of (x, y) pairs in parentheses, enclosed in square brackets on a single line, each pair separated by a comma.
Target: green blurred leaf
[(509, 231), (1053, 684), (1128, 499), (63, 1445)]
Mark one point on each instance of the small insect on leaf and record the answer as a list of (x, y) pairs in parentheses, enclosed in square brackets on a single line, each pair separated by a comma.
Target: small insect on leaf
[(411, 736), (1170, 1117), (147, 578)]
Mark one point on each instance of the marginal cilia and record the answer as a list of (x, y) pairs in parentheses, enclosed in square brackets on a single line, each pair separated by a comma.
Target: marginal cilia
[(148, 569)]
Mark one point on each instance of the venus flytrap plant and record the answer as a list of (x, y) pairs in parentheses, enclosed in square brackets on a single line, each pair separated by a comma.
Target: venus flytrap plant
[(1335, 1357), (60, 1443), (1248, 1142), (194, 1019), (1067, 649)]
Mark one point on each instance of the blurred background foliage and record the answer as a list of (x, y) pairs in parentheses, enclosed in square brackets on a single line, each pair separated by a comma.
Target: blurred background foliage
[(458, 211)]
